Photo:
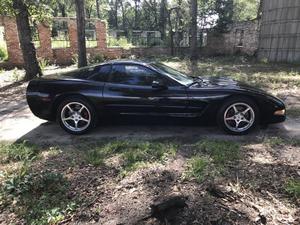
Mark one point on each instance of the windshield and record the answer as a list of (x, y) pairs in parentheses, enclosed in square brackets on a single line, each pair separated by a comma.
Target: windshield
[(176, 75)]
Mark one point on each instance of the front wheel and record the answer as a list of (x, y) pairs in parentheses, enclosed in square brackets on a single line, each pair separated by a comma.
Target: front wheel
[(238, 116), (76, 116)]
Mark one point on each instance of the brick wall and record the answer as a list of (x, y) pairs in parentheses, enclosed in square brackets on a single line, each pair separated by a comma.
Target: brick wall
[(242, 37), (217, 44)]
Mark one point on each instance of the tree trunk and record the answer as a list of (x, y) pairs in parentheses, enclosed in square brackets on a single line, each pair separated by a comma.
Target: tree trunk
[(98, 8), (193, 29), (260, 9), (31, 64), (80, 18), (136, 16), (163, 19)]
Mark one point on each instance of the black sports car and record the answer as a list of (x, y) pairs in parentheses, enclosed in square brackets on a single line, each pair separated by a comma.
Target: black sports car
[(77, 98)]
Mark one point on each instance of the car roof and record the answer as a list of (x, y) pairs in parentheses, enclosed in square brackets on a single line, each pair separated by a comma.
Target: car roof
[(129, 61)]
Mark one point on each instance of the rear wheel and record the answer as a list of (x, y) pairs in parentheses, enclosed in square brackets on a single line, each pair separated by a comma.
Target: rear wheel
[(238, 115), (76, 116)]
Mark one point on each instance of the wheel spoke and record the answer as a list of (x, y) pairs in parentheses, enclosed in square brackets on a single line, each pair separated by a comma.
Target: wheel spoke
[(68, 118), (235, 109), (71, 110), (76, 124), (80, 110), (83, 119), (237, 124), (230, 118), (245, 111), (246, 121)]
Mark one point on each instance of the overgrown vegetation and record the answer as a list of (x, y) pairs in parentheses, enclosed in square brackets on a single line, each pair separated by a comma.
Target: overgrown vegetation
[(17, 152), (293, 188), (132, 153), (3, 53), (120, 42), (211, 158), (39, 198)]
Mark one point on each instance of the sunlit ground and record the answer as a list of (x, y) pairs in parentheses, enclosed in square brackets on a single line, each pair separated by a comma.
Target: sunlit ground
[(116, 173)]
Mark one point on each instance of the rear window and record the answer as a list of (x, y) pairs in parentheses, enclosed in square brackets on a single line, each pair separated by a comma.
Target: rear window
[(81, 73), (101, 73)]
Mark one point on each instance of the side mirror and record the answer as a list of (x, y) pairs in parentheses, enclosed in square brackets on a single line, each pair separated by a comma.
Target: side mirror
[(158, 85)]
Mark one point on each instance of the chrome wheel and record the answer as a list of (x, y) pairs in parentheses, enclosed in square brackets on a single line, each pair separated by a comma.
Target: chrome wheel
[(239, 117), (75, 116)]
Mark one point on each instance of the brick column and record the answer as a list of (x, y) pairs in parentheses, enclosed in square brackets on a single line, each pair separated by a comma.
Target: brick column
[(15, 56), (45, 50), (72, 27), (101, 34)]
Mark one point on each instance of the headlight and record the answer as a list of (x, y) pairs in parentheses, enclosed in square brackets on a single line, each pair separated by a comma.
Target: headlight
[(279, 112)]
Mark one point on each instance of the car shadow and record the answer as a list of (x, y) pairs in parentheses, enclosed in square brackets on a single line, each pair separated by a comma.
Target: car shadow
[(125, 127)]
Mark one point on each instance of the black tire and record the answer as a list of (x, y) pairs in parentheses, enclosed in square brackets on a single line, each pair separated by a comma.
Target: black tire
[(238, 102), (88, 113)]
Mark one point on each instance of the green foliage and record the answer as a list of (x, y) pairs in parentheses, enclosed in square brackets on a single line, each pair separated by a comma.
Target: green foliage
[(221, 152), (98, 58), (144, 152), (39, 198), (3, 54), (132, 153), (274, 142), (121, 42), (16, 76), (245, 9), (293, 188), (17, 152), (198, 168), (211, 158), (43, 63)]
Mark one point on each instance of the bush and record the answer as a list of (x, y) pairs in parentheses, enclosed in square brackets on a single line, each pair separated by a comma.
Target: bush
[(38, 198), (98, 58), (43, 63), (17, 152), (3, 54), (121, 42)]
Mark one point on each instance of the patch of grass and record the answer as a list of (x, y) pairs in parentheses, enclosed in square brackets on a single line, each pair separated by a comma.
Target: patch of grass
[(132, 153), (220, 151), (38, 198), (293, 112), (293, 188), (17, 152), (274, 142), (146, 152), (198, 168), (211, 158)]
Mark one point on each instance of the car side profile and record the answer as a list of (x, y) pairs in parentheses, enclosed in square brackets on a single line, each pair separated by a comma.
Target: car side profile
[(78, 98)]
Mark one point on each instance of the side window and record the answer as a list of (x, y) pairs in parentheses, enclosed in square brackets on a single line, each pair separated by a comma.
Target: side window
[(132, 75), (101, 73)]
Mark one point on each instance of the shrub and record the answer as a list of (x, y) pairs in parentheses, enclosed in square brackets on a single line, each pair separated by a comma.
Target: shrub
[(98, 58), (197, 168), (43, 63), (3, 54), (293, 188), (38, 198), (17, 152)]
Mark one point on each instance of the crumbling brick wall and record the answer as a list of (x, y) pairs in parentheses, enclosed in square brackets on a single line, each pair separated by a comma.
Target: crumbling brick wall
[(242, 37)]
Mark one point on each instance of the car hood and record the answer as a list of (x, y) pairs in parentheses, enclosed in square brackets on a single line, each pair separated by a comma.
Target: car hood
[(228, 83)]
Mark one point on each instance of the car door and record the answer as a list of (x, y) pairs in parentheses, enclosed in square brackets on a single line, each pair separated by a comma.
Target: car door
[(129, 90)]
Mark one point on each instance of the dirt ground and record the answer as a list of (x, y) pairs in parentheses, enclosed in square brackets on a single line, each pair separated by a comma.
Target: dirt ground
[(250, 191)]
